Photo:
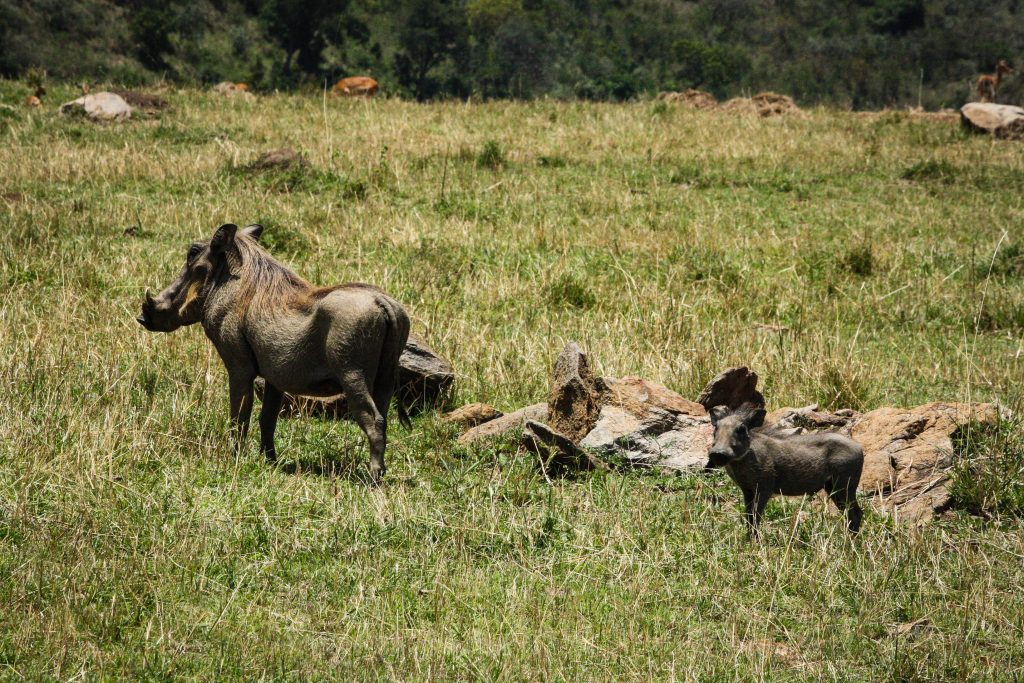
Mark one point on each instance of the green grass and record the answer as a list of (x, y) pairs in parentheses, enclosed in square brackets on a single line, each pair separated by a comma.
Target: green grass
[(850, 260)]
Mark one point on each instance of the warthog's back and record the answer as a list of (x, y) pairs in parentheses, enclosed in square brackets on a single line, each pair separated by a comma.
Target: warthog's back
[(805, 463)]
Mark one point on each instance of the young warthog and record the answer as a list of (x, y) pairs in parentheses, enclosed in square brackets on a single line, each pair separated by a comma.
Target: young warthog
[(266, 321), (763, 463)]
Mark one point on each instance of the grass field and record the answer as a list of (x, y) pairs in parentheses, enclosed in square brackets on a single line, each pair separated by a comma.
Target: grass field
[(855, 261)]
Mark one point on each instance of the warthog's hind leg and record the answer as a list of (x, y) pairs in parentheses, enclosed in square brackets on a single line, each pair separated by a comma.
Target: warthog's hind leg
[(364, 411), (271, 408), (845, 498)]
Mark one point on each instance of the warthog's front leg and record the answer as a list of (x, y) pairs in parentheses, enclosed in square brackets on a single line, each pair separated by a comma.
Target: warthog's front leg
[(753, 505), (240, 389), (271, 408)]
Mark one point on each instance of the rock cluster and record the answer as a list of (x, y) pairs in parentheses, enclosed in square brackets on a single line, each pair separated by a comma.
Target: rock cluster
[(604, 422)]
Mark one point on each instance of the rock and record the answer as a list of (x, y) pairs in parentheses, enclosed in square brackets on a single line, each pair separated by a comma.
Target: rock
[(1002, 120), (732, 388), (558, 454), (575, 397), (506, 424), (907, 454), (101, 106), (472, 414), (424, 377), (639, 396), (809, 419), (661, 439), (283, 158)]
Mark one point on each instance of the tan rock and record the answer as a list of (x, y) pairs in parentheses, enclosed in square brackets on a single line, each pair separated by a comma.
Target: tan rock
[(733, 388), (473, 414), (506, 424), (574, 400), (639, 396)]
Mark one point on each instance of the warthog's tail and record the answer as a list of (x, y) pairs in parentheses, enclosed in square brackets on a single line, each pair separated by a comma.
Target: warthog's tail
[(392, 346)]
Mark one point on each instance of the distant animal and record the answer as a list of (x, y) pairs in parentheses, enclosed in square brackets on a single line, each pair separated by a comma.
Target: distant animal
[(36, 98), (244, 87), (988, 84), (266, 321), (763, 463), (356, 86)]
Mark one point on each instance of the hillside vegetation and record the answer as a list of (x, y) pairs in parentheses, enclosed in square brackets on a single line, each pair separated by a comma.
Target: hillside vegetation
[(866, 54), (851, 260)]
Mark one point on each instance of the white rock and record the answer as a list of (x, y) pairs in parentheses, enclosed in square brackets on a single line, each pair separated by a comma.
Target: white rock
[(101, 106)]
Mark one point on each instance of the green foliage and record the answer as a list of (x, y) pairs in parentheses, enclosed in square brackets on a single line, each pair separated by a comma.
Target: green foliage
[(859, 260), (988, 472), (868, 54), (491, 155), (569, 290)]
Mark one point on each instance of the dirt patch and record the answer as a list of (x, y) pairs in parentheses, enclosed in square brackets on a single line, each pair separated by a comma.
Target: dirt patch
[(12, 197), (698, 99), (145, 102)]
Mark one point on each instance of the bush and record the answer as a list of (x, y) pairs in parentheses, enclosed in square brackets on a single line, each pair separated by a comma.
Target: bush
[(491, 155), (569, 290), (988, 469)]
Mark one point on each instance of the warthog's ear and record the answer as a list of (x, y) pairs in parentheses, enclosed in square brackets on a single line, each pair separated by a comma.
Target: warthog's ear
[(717, 413), (755, 419), (223, 238), (254, 231)]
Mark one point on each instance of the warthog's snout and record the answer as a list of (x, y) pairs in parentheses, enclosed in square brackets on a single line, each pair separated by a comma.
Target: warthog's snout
[(717, 459), (147, 318)]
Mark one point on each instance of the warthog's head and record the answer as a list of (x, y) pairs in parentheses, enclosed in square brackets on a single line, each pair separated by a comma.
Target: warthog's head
[(182, 302), (732, 433)]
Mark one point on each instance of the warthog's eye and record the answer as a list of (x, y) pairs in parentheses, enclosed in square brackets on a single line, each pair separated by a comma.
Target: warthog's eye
[(193, 251)]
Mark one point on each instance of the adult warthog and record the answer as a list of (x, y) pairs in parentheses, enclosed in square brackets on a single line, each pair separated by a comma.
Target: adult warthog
[(266, 321)]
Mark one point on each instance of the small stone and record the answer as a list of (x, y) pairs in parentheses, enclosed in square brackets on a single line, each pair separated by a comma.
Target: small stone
[(558, 454)]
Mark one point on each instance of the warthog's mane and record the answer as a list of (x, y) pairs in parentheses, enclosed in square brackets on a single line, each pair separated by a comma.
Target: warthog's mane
[(266, 283)]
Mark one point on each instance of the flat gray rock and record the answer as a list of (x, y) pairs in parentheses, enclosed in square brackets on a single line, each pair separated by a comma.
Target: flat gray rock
[(660, 439)]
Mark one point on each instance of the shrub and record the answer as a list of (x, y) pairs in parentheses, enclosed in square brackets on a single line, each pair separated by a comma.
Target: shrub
[(491, 155), (988, 468), (569, 290)]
